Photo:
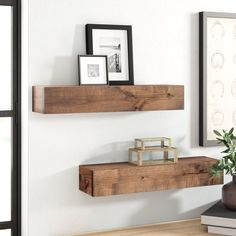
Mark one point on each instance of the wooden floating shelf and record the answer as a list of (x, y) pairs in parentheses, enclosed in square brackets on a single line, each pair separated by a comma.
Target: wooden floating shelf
[(122, 178), (77, 99)]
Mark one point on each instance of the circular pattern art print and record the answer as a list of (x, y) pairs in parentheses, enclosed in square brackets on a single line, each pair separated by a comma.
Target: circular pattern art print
[(217, 30), (217, 60)]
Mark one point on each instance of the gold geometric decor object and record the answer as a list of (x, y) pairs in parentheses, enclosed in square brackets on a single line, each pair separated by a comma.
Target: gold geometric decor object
[(153, 151)]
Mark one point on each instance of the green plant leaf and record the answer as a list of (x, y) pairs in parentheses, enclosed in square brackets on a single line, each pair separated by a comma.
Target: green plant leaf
[(226, 143), (231, 130), (228, 161), (221, 140), (226, 150), (217, 133)]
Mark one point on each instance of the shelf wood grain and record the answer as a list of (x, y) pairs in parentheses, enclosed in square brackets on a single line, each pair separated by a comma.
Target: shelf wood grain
[(86, 99), (122, 178)]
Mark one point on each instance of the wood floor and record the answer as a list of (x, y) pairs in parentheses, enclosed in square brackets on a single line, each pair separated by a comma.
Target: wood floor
[(182, 228)]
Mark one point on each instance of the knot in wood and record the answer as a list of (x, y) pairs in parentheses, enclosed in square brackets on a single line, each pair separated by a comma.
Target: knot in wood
[(86, 183)]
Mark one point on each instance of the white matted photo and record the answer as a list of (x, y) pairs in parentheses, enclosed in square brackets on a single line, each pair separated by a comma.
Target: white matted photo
[(112, 43), (93, 70), (115, 41)]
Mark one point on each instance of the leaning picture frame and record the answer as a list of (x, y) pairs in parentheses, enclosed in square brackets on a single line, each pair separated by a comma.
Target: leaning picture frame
[(115, 41), (92, 70), (217, 75)]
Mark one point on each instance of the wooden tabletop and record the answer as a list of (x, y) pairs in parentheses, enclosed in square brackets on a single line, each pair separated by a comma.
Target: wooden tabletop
[(181, 228)]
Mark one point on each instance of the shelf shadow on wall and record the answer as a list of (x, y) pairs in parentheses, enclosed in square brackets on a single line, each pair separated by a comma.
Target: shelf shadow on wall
[(64, 72), (65, 68), (118, 152), (111, 152), (154, 211)]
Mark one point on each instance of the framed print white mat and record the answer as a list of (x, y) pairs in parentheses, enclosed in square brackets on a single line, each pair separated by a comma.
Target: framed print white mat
[(92, 70), (115, 41), (217, 74)]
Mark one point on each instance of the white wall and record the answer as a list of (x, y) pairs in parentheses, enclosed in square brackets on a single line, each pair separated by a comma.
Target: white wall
[(165, 43)]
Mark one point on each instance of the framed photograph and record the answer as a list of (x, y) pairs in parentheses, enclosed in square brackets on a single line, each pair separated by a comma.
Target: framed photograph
[(217, 74), (115, 41), (92, 70)]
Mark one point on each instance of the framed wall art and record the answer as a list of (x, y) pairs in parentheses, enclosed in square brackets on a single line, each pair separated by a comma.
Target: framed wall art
[(217, 74), (92, 70), (115, 41)]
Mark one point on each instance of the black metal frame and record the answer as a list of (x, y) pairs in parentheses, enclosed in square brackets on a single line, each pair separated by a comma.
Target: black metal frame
[(15, 114), (128, 28), (89, 56), (203, 141)]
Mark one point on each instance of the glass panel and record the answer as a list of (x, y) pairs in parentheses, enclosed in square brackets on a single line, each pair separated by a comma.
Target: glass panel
[(5, 169), (5, 232), (5, 57)]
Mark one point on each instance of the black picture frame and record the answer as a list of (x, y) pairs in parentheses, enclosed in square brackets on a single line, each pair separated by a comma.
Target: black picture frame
[(90, 56), (203, 77), (89, 48)]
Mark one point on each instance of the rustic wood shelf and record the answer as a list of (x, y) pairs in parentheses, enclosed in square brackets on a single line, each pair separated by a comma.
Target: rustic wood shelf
[(77, 99), (122, 178)]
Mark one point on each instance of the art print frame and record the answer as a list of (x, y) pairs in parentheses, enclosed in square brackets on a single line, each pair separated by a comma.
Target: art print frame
[(217, 77), (104, 39), (86, 70)]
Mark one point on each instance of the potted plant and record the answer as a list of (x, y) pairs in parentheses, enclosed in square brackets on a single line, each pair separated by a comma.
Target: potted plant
[(228, 164)]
